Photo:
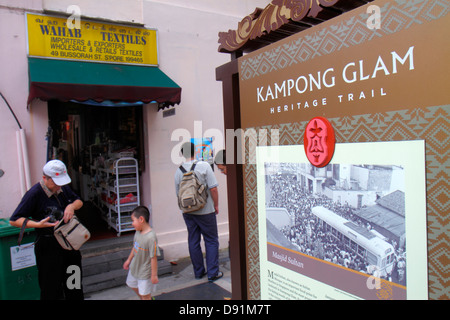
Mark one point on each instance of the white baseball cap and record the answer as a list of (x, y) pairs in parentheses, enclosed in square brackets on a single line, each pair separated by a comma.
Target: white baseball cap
[(57, 170)]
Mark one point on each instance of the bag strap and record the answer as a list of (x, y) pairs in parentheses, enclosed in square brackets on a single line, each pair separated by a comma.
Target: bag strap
[(183, 170), (60, 224), (22, 231)]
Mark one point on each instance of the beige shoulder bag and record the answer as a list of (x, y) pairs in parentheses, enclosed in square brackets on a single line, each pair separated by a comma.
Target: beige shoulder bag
[(71, 235)]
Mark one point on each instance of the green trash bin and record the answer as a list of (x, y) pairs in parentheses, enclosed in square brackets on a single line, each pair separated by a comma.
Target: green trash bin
[(18, 271)]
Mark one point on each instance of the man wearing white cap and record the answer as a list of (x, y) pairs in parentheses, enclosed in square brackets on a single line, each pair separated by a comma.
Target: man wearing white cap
[(49, 200)]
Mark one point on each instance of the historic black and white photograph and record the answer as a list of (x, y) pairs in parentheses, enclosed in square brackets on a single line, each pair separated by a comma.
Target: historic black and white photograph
[(346, 214)]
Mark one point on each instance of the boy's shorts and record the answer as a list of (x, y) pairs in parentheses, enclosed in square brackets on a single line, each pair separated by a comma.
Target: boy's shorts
[(144, 286)]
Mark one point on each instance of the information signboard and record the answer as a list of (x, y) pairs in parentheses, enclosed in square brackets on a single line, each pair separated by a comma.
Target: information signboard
[(357, 227)]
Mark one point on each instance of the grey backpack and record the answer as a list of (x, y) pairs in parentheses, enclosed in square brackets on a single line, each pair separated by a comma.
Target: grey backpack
[(191, 193)]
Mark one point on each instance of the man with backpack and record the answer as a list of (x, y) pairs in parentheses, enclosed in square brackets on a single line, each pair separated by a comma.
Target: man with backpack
[(198, 199)]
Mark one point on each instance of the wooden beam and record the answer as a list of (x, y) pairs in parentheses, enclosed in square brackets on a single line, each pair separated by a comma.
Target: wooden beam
[(229, 76)]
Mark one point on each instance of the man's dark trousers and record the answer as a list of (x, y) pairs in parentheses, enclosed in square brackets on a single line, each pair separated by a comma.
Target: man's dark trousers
[(203, 225)]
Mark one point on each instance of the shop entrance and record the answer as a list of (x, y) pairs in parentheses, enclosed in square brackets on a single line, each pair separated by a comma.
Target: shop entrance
[(92, 139)]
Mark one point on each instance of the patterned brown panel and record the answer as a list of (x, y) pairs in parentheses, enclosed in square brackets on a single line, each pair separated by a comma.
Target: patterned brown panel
[(431, 124), (272, 17), (396, 16)]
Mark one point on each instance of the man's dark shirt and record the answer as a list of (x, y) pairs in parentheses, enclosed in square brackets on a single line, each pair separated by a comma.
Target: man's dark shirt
[(36, 202)]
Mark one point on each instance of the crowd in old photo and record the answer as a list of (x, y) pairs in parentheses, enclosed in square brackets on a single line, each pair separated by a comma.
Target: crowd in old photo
[(308, 236)]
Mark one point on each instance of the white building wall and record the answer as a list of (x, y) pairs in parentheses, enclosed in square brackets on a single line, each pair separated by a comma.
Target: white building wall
[(14, 87)]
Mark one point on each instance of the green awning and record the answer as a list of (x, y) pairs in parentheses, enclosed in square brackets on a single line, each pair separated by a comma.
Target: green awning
[(74, 80)]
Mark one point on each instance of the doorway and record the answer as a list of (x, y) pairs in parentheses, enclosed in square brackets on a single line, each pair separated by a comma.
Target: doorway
[(88, 135)]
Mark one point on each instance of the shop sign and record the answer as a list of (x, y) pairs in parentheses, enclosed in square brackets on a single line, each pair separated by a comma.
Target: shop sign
[(53, 37)]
